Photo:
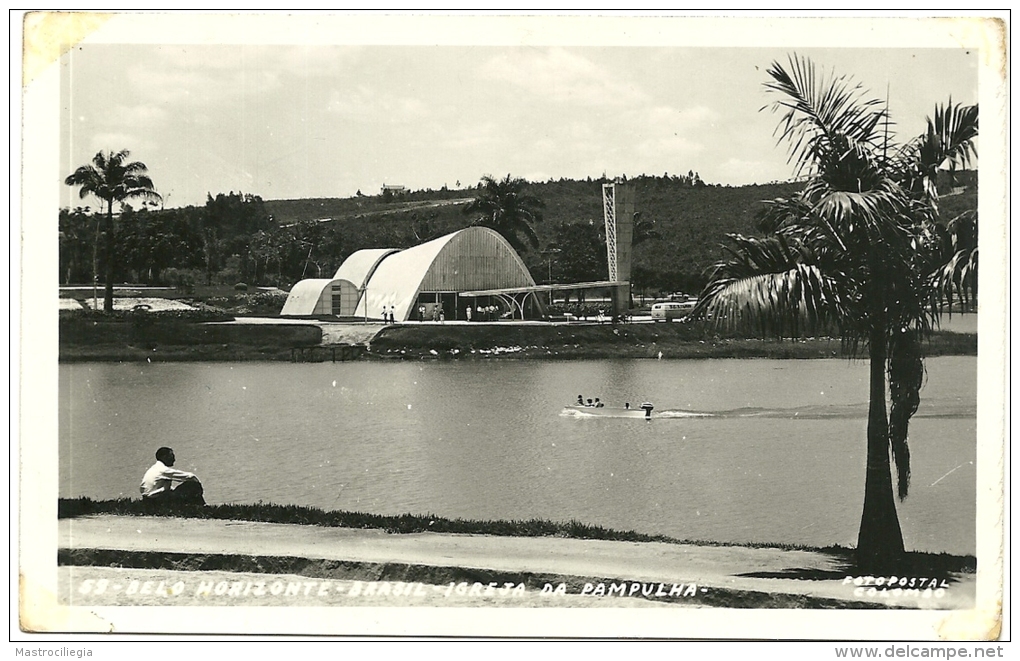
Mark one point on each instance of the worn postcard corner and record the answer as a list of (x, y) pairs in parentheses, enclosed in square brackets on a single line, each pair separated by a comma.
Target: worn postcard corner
[(48, 35)]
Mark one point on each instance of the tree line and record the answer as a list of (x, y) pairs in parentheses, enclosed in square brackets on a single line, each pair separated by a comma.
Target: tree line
[(237, 237), (231, 239)]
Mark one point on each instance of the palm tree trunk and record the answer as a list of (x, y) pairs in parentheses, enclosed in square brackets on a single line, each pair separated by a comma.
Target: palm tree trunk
[(307, 259), (880, 540), (108, 265)]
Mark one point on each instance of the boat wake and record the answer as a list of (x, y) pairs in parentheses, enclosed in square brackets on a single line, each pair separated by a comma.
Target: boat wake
[(929, 409), (683, 414)]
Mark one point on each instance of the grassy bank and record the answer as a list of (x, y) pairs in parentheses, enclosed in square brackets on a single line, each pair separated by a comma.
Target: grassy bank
[(672, 340), (198, 335), (174, 337), (915, 562), (172, 353)]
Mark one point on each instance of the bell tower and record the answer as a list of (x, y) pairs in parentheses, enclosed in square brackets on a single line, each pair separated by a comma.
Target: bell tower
[(618, 209)]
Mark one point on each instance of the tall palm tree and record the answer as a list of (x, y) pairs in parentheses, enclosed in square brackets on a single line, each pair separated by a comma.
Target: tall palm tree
[(111, 178), (505, 206), (859, 249)]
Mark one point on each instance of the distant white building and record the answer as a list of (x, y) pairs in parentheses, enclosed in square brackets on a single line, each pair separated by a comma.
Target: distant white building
[(394, 189)]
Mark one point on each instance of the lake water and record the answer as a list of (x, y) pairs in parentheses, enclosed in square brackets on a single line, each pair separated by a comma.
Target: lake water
[(780, 458)]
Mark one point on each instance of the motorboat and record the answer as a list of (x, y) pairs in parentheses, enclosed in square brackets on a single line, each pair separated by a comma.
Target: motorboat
[(642, 411)]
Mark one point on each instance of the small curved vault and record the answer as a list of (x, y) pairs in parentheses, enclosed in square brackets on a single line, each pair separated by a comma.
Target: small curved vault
[(321, 297)]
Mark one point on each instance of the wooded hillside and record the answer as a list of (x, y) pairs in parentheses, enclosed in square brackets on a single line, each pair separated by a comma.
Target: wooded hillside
[(242, 238)]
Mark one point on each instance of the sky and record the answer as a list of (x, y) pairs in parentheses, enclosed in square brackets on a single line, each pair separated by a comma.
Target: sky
[(327, 120)]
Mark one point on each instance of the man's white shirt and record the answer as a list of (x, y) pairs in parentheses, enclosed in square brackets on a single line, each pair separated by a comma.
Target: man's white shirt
[(160, 477)]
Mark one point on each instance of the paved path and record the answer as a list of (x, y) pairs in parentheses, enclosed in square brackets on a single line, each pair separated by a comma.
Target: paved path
[(711, 568)]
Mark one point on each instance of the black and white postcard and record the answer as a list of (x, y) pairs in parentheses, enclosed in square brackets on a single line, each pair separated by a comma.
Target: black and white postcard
[(580, 326)]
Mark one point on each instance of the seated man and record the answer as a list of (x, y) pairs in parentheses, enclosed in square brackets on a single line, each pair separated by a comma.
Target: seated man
[(158, 483)]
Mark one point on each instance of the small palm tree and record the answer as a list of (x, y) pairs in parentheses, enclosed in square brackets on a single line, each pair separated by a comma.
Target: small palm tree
[(860, 250), (505, 206), (644, 230), (958, 276), (112, 179)]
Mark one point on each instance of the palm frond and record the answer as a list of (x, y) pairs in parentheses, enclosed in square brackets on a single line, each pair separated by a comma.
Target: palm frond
[(781, 212), (822, 115), (949, 140), (862, 218), (769, 286), (957, 278), (955, 261), (951, 134), (963, 231)]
